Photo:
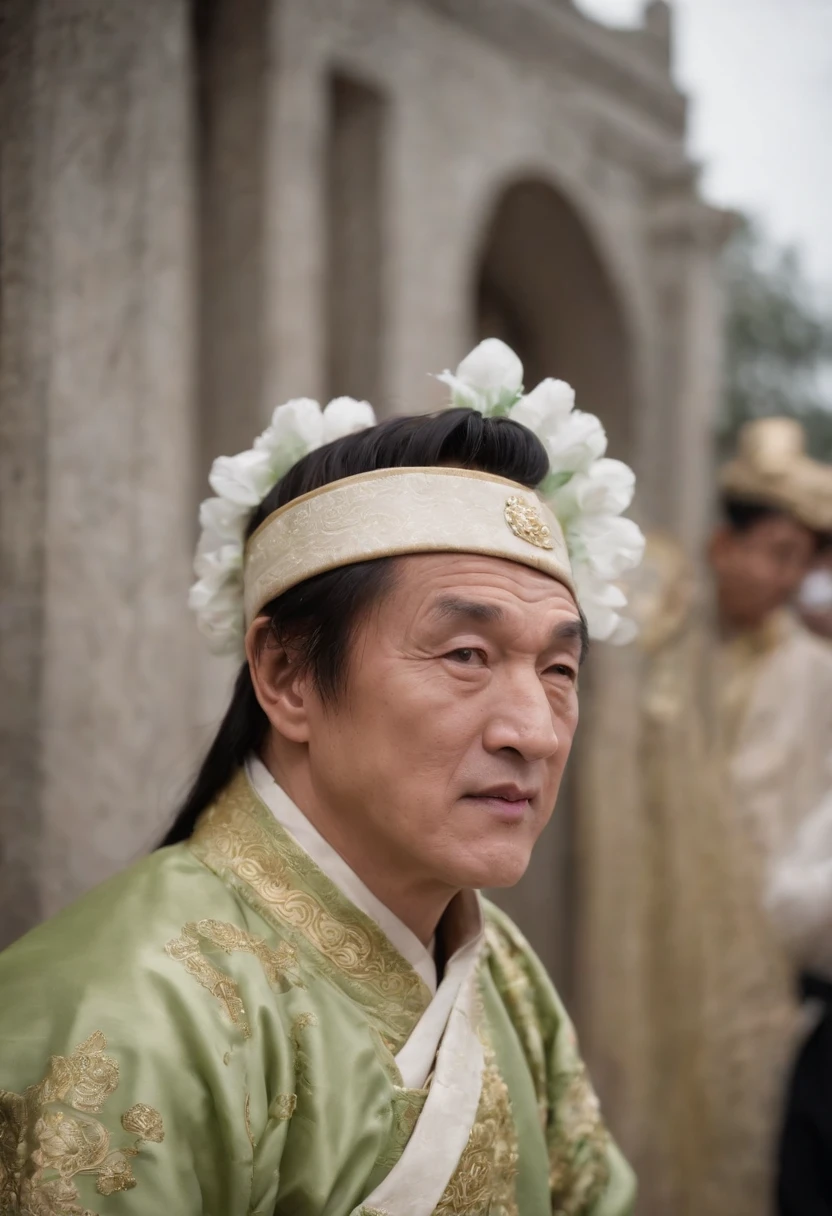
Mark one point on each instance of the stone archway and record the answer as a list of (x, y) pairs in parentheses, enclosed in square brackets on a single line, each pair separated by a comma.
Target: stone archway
[(542, 286)]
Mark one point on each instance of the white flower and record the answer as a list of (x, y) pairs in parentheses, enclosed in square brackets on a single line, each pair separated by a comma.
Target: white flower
[(606, 488), (215, 567), (544, 407), (575, 443), (219, 615), (626, 630), (244, 480), (297, 427), (605, 545), (600, 602), (489, 379), (346, 416), (223, 520)]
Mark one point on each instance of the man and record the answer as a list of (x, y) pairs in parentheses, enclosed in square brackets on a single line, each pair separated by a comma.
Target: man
[(302, 1005), (735, 740)]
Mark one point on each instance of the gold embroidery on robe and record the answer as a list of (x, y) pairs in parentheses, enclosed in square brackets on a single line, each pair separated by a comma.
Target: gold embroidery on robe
[(48, 1135), (283, 1107), (247, 1117), (240, 840), (483, 1183), (519, 999), (407, 1105), (578, 1140), (300, 1024), (144, 1122), (279, 965), (578, 1160)]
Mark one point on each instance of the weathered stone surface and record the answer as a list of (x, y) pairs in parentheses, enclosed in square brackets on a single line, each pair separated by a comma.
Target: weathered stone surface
[(98, 450), (179, 241)]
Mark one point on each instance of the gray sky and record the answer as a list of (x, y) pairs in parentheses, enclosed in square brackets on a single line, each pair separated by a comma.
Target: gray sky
[(759, 76)]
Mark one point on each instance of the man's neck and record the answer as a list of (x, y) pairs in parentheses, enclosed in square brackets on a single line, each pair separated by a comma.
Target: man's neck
[(765, 632), (418, 904)]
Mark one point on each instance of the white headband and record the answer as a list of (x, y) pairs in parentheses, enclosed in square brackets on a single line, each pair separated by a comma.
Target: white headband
[(392, 512)]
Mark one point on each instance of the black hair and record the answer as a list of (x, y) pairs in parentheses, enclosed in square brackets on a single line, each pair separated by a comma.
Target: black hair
[(319, 616), (743, 514)]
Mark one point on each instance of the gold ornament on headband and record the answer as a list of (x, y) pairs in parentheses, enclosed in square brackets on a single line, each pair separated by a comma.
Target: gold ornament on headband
[(525, 522), (572, 529)]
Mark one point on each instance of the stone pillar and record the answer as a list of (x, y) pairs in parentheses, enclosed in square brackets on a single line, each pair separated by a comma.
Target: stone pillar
[(97, 289), (687, 236), (24, 350)]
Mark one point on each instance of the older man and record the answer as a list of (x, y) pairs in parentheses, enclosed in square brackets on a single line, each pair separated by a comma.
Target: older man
[(302, 1005)]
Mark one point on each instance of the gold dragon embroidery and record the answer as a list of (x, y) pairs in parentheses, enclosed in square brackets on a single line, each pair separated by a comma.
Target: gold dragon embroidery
[(48, 1135)]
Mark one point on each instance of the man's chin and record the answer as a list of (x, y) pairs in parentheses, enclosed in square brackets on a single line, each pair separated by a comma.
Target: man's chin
[(494, 871)]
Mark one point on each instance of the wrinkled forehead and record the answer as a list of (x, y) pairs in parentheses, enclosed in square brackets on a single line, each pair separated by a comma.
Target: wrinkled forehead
[(441, 592), (432, 575)]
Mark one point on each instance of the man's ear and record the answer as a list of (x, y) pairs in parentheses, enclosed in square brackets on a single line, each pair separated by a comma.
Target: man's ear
[(280, 687)]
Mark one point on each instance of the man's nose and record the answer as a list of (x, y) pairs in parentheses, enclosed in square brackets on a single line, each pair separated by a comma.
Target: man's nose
[(521, 718)]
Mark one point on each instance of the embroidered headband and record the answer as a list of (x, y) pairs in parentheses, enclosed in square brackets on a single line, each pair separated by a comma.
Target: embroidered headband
[(392, 512), (571, 528)]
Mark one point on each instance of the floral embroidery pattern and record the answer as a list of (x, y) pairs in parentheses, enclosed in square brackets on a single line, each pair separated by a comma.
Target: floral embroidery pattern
[(48, 1135), (570, 1114), (483, 1183), (300, 1024), (578, 1163), (280, 965)]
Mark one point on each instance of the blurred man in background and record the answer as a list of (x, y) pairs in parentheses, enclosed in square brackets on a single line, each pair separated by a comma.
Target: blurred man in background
[(736, 736)]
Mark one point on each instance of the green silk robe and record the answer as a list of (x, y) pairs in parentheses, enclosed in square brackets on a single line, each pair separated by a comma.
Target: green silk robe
[(215, 1030)]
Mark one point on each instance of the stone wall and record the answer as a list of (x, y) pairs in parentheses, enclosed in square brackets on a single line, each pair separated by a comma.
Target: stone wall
[(183, 245), (99, 439)]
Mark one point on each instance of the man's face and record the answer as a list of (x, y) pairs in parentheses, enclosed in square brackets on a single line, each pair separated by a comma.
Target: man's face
[(448, 746), (759, 570)]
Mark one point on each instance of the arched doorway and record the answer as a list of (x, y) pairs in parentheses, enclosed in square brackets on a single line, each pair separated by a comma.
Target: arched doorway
[(541, 285)]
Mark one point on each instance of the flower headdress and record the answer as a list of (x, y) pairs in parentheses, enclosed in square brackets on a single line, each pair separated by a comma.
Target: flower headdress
[(586, 492)]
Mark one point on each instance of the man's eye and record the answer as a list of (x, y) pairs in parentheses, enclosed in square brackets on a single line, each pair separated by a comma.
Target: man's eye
[(464, 654), (563, 669)]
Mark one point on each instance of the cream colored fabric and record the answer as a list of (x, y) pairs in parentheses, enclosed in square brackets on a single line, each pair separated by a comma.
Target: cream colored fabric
[(391, 512), (799, 895), (781, 765), (417, 1181)]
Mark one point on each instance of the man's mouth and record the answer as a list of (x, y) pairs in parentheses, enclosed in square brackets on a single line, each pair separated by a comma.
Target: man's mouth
[(507, 801)]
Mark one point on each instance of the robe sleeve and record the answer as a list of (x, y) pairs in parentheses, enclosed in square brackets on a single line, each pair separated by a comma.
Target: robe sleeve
[(588, 1176), (132, 1076)]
